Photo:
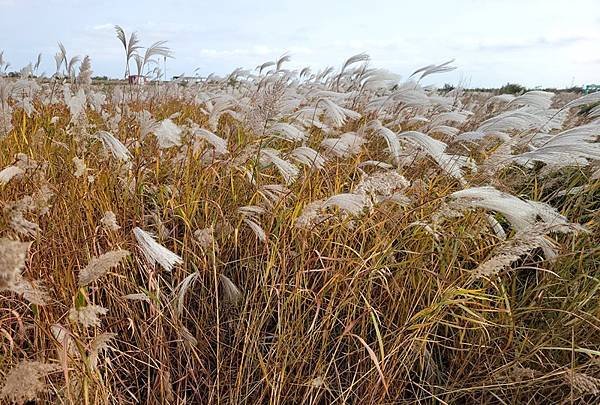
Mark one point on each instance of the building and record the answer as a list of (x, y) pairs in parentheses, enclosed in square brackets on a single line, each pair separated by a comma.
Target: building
[(137, 79)]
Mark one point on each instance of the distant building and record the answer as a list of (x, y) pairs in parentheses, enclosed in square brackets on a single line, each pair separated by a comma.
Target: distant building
[(186, 79), (137, 79), (591, 88)]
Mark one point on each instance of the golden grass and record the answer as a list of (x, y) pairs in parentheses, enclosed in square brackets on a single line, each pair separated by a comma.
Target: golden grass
[(382, 308)]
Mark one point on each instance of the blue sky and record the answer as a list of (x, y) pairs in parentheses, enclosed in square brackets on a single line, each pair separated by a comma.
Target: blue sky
[(533, 42)]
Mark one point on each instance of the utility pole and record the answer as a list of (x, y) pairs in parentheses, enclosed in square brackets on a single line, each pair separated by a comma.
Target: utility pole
[(165, 60)]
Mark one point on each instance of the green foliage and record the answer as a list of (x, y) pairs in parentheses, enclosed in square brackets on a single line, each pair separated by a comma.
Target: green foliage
[(511, 88)]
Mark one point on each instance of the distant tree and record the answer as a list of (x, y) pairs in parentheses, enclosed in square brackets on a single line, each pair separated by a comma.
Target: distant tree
[(511, 88), (447, 88), (574, 89)]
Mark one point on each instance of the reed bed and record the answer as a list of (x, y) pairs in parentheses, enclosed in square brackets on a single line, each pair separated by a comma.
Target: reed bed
[(283, 236)]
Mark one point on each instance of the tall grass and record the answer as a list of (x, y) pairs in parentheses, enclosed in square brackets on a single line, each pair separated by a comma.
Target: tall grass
[(292, 237)]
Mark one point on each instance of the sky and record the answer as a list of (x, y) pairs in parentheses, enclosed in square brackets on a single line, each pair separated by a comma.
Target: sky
[(548, 43)]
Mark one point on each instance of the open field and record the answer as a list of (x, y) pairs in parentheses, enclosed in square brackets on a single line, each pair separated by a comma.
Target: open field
[(276, 236)]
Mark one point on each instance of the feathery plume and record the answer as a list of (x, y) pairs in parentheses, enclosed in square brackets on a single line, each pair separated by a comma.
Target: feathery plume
[(137, 297), (80, 167), (10, 172), (512, 249), (168, 134), (231, 293), (250, 215), (100, 344), (309, 157), (88, 315), (24, 382), (219, 144), (288, 170), (384, 186), (287, 131), (99, 266), (32, 291), (336, 114), (583, 383), (109, 221), (274, 193), (348, 144), (205, 237), (348, 202), (12, 262), (114, 145), (85, 72), (155, 252)]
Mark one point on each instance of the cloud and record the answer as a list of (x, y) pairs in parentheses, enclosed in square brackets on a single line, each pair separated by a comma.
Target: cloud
[(515, 45), (103, 27)]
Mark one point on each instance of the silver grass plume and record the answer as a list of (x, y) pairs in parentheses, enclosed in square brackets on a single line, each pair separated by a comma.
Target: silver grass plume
[(250, 216), (231, 293), (391, 139), (10, 172), (520, 213), (99, 266), (575, 146), (205, 237), (99, 345), (109, 221), (350, 203), (451, 164), (88, 315), (431, 69), (288, 170), (287, 131), (155, 252), (115, 146), (361, 57), (80, 167), (168, 134), (348, 144), (337, 114), (137, 297), (583, 383), (85, 72), (25, 381), (131, 46), (219, 144), (583, 100), (181, 291), (311, 215), (308, 156), (536, 98), (76, 103), (521, 243), (32, 291), (375, 163), (12, 262), (274, 193), (384, 186)]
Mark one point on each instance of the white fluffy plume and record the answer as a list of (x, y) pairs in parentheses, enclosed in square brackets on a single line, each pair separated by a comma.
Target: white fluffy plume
[(114, 145), (155, 252), (168, 134)]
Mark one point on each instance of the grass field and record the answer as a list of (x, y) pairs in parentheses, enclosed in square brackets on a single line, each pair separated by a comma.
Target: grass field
[(277, 236)]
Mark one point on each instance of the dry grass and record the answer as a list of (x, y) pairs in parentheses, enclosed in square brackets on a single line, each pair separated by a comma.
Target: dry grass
[(374, 301)]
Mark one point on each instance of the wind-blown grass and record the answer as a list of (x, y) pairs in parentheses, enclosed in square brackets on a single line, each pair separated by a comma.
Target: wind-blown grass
[(297, 237)]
